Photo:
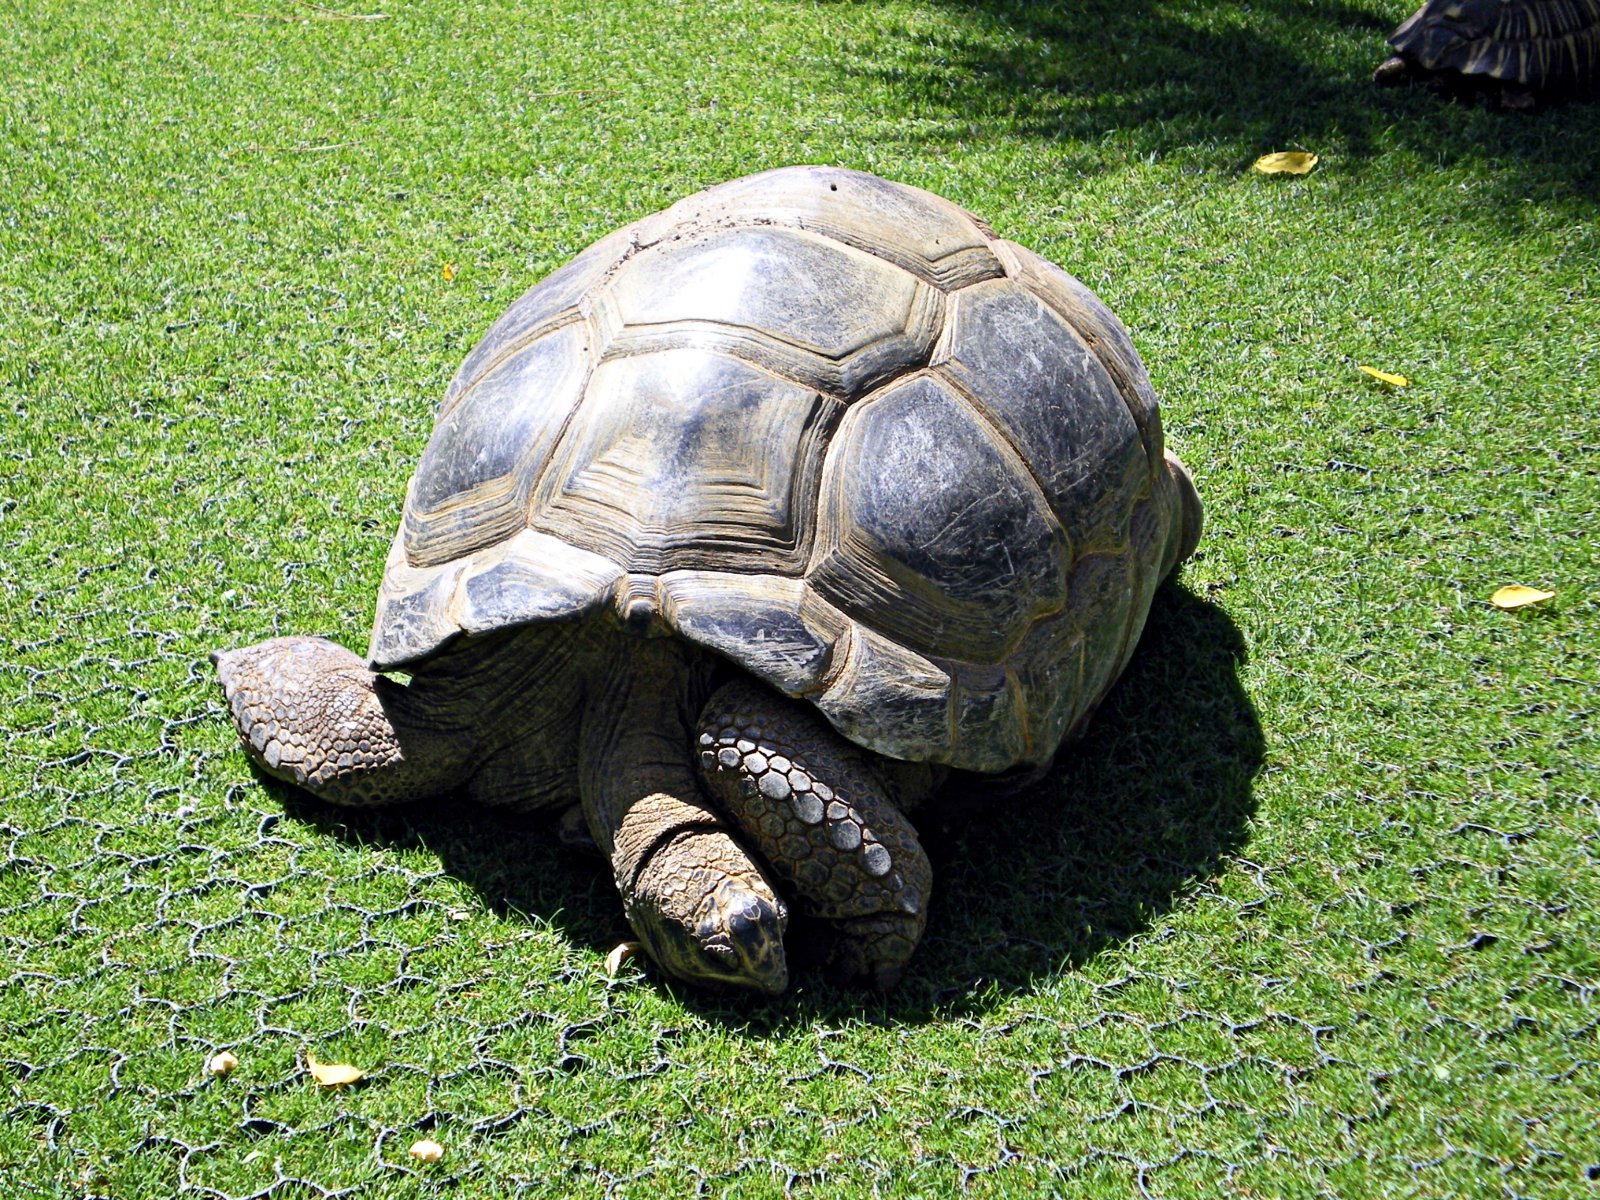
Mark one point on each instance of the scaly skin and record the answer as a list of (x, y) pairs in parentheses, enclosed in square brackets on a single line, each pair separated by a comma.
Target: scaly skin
[(818, 811), (477, 719), (310, 713)]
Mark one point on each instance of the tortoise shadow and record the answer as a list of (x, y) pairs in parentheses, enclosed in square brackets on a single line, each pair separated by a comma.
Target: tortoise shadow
[(1129, 820), (1134, 817), (514, 862), (1214, 86)]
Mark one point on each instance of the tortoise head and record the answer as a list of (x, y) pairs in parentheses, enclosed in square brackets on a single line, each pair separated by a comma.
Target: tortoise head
[(706, 918)]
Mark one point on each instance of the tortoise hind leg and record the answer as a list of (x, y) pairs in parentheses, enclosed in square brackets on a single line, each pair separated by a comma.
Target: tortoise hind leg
[(1392, 72), (824, 820), (310, 713)]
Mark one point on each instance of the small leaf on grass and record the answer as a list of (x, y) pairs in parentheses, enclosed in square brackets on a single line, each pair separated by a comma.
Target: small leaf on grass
[(1517, 596), (619, 955), (1285, 162), (1386, 377), (448, 271), (426, 1150), (332, 1074)]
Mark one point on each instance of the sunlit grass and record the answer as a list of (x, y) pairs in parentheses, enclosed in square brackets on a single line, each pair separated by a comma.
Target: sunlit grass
[(1310, 911)]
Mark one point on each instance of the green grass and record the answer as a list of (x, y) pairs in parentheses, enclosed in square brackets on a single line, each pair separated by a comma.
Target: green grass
[(1311, 912)]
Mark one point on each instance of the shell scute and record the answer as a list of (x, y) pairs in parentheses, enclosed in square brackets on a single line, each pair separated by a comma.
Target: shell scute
[(989, 718), (943, 541), (551, 301), (1053, 671), (794, 303), (1053, 399), (871, 667), (1103, 333), (416, 610), (471, 487), (1060, 688), (688, 459), (534, 578), (916, 230), (774, 626)]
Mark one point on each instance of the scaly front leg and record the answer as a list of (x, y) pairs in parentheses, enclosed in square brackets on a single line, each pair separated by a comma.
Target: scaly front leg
[(819, 811), (310, 713)]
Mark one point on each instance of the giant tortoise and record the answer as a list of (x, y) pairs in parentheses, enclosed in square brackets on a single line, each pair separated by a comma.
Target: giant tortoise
[(1516, 51), (740, 531)]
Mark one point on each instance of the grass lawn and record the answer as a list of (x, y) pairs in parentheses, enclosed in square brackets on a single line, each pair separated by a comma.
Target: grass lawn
[(1312, 911)]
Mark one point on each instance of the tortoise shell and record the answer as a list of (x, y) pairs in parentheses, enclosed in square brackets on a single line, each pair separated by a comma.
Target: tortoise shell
[(829, 427), (1543, 45)]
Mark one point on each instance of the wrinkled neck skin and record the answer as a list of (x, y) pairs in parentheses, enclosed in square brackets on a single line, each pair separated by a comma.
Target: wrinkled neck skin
[(637, 703), (703, 907), (595, 713)]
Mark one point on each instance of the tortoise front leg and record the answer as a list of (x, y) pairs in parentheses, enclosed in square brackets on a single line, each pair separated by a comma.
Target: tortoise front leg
[(821, 815), (310, 713)]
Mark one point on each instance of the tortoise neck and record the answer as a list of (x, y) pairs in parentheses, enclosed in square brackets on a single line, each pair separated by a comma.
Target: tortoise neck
[(635, 767)]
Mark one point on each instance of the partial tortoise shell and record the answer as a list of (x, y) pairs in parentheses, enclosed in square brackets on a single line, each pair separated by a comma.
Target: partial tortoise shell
[(827, 426), (1543, 45)]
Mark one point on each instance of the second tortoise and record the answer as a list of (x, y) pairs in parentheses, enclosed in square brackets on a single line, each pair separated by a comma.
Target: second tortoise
[(1519, 52)]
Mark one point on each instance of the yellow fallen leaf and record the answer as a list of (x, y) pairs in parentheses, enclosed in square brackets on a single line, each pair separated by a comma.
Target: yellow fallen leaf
[(448, 271), (426, 1150), (222, 1063), (1517, 596), (1285, 162), (332, 1074), (620, 954), (1386, 377)]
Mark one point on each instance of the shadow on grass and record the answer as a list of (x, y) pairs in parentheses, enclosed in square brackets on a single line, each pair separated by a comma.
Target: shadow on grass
[(514, 862), (1129, 820), (1134, 817), (1216, 84)]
